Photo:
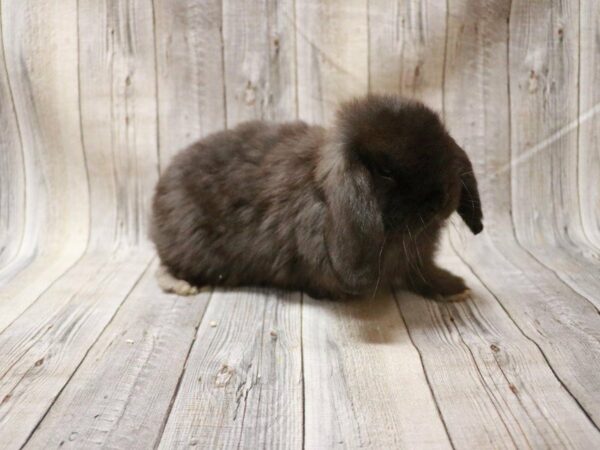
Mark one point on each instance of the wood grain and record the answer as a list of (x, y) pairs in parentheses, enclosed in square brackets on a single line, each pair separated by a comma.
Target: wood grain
[(45, 101), (558, 320), (242, 386), (118, 118), (120, 395), (364, 383), (12, 172), (543, 60), (190, 86), (493, 385), (87, 226), (589, 118), (41, 350), (547, 148), (260, 71), (406, 48), (332, 55)]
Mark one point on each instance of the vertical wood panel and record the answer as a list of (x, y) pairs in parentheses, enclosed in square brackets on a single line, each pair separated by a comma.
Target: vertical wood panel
[(544, 77), (476, 100), (118, 116), (260, 69), (41, 54), (541, 305), (12, 170), (114, 121), (190, 75), (406, 48), (332, 51), (589, 116), (544, 101), (40, 44)]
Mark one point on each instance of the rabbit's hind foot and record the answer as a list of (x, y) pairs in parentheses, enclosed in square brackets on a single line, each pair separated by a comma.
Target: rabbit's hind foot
[(168, 283)]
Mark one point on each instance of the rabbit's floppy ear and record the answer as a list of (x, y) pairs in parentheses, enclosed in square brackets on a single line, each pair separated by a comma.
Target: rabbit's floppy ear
[(354, 227), (469, 206)]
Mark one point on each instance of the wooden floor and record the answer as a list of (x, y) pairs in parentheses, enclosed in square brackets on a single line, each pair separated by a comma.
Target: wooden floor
[(95, 98)]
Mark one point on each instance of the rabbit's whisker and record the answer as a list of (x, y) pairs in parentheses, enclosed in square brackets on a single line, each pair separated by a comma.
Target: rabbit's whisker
[(425, 225), (419, 262), (469, 192), (379, 268), (410, 261)]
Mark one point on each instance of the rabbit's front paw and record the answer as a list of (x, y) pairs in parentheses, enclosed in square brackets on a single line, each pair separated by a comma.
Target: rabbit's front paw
[(461, 296), (440, 285)]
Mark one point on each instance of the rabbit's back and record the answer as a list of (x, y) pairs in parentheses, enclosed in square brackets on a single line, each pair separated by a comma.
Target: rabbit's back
[(241, 208)]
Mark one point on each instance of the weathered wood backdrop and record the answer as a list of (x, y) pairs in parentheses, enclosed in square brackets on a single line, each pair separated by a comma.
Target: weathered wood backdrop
[(96, 96)]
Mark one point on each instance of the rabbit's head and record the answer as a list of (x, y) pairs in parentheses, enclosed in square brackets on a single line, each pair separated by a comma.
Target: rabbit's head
[(391, 167)]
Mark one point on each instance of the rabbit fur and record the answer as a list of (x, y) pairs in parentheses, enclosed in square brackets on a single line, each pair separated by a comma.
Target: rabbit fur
[(336, 212)]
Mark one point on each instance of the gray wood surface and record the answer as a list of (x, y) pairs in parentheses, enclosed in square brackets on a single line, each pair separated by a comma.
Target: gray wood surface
[(97, 96), (121, 394), (243, 382)]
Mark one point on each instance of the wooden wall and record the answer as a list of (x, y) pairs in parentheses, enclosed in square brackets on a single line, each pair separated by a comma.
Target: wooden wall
[(95, 93), (106, 90)]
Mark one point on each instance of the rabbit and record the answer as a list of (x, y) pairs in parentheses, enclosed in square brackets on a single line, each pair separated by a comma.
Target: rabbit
[(335, 212)]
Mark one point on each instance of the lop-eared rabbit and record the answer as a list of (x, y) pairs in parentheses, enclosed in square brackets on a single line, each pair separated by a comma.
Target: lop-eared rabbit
[(335, 212)]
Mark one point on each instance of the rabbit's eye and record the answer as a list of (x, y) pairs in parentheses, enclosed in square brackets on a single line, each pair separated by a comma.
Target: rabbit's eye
[(385, 172)]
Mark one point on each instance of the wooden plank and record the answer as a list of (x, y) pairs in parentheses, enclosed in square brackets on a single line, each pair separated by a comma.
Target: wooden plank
[(114, 121), (493, 385), (544, 89), (406, 48), (332, 55), (12, 171), (118, 117), (42, 70), (45, 345), (364, 382), (549, 142), (589, 118), (239, 377), (120, 395), (476, 101), (191, 97), (563, 324), (260, 70), (242, 385)]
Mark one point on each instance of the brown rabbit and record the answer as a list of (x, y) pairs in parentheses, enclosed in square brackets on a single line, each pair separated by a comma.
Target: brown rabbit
[(334, 212)]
